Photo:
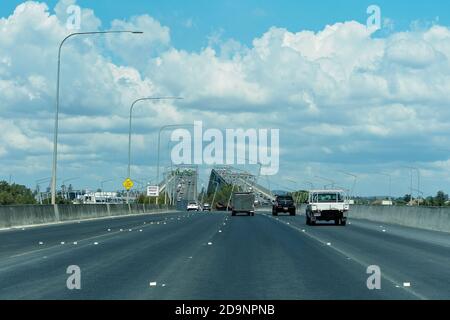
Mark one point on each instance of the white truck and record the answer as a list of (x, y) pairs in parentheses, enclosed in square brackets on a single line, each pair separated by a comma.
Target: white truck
[(327, 205)]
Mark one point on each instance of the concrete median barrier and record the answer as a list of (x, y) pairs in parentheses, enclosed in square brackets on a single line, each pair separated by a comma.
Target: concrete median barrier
[(26, 215), (82, 211), (11, 216), (430, 218)]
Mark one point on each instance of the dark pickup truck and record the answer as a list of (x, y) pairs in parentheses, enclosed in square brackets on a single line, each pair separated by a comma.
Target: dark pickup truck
[(283, 204)]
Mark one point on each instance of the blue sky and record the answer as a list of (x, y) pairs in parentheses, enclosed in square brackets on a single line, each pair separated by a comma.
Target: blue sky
[(245, 20), (343, 97)]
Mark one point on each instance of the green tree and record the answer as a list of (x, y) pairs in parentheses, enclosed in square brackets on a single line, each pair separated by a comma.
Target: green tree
[(300, 196), (222, 195), (144, 199), (58, 199), (440, 199), (15, 194)]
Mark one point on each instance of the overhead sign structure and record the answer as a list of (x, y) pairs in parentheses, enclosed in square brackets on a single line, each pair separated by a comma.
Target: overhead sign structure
[(128, 184), (153, 191)]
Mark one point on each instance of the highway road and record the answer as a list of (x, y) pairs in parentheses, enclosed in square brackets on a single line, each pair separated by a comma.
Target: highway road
[(215, 256)]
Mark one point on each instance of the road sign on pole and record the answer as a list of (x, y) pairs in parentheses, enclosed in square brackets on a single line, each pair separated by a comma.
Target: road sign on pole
[(128, 184), (153, 191)]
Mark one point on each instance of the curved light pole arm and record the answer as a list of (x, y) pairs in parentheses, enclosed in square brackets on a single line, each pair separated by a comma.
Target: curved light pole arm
[(326, 179), (354, 181), (55, 135), (129, 129), (310, 184)]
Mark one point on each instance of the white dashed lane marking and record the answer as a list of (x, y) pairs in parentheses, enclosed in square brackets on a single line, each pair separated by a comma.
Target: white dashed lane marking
[(406, 285)]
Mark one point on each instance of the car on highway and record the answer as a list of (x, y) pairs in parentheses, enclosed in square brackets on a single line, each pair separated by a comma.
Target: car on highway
[(284, 204), (243, 202), (222, 207), (193, 206), (327, 205), (206, 207)]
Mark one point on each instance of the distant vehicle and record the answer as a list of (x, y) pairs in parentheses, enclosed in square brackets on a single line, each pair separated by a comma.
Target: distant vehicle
[(206, 207), (243, 202), (284, 204), (221, 207), (327, 205), (101, 198), (193, 206)]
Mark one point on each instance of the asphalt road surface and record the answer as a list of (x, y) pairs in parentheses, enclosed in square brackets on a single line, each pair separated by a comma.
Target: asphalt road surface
[(215, 256)]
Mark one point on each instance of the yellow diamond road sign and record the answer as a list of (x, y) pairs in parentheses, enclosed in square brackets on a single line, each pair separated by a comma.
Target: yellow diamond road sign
[(128, 184)]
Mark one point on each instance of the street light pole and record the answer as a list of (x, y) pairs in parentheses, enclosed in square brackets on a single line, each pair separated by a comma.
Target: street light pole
[(203, 193), (259, 172), (38, 183), (159, 141), (215, 191), (55, 134), (231, 194), (418, 182), (354, 181), (159, 144), (129, 130), (297, 191)]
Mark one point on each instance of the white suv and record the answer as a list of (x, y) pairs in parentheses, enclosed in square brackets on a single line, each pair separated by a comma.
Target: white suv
[(327, 205)]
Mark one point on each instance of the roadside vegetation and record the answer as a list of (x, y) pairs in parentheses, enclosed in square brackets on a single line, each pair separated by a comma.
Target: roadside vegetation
[(11, 194), (441, 199)]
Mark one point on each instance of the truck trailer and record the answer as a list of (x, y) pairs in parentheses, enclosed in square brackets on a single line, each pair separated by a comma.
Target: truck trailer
[(243, 202)]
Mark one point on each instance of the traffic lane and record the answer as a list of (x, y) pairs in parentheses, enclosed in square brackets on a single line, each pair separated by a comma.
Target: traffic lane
[(19, 241), (260, 258), (423, 263), (118, 267), (34, 255), (434, 237), (437, 237)]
